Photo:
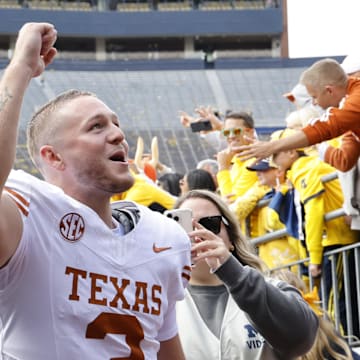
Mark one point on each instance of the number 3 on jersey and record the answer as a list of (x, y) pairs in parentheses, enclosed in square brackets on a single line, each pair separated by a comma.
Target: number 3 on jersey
[(128, 325)]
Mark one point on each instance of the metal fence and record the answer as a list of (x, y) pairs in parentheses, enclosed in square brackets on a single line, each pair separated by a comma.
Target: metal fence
[(352, 294), (351, 291)]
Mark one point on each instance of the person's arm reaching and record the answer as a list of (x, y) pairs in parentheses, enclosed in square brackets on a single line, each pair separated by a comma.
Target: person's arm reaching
[(33, 51), (344, 157), (207, 113), (263, 149), (273, 309), (243, 206)]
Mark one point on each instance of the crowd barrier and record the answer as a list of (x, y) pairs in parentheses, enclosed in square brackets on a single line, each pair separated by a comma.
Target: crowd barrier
[(345, 252)]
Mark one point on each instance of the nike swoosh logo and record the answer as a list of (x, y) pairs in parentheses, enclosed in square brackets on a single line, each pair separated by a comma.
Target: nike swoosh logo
[(160, 249)]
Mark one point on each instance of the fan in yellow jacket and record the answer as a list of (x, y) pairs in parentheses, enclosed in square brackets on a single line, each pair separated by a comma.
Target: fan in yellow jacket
[(318, 199), (255, 218), (233, 176)]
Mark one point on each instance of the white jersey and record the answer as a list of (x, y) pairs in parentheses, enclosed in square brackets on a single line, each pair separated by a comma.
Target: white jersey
[(76, 289), (239, 340)]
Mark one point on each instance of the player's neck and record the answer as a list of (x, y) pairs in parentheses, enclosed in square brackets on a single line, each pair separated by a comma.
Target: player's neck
[(101, 205)]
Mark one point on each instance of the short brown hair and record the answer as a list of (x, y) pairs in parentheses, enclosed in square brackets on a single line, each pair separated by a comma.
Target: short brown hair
[(324, 72), (42, 127), (241, 115)]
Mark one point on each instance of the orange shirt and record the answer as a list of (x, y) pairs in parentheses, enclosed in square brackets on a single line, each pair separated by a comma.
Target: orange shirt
[(346, 156), (337, 121)]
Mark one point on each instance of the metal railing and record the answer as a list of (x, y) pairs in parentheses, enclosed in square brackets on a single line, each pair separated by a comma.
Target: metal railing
[(351, 290), (283, 232), (350, 296)]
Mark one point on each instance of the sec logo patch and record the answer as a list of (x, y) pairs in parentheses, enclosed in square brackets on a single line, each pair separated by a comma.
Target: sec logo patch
[(72, 227)]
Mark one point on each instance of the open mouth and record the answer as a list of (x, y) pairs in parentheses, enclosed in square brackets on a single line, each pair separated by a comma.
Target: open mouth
[(118, 157)]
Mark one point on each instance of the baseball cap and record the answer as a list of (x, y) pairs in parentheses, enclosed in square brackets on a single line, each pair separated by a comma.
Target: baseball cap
[(299, 96), (262, 165), (351, 63)]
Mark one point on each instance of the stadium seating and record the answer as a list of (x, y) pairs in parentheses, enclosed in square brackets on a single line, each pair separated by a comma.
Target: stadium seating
[(148, 104), (136, 5), (11, 4)]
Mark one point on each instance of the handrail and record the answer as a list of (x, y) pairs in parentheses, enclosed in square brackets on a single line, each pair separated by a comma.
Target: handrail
[(283, 232), (351, 338)]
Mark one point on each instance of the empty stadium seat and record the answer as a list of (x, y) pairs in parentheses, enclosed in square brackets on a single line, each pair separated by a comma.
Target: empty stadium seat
[(148, 104)]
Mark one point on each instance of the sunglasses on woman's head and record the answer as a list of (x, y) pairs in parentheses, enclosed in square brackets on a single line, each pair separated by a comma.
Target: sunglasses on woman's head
[(213, 223), (233, 132)]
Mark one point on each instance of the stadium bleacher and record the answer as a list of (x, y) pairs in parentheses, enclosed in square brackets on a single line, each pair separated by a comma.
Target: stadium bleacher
[(148, 104), (137, 5)]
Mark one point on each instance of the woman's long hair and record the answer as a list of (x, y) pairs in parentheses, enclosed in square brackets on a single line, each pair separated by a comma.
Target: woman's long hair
[(328, 343), (243, 252)]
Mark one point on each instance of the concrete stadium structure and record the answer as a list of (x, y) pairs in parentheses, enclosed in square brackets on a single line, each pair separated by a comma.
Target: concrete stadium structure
[(148, 103)]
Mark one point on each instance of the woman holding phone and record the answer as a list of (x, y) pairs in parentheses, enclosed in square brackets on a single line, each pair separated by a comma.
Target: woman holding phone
[(231, 310)]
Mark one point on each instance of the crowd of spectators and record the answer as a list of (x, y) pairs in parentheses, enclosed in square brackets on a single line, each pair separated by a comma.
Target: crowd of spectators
[(204, 294), (290, 184)]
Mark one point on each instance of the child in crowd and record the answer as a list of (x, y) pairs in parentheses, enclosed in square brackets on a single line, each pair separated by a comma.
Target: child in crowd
[(318, 198)]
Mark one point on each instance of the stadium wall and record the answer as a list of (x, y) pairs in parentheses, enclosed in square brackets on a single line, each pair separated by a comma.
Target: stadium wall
[(146, 24)]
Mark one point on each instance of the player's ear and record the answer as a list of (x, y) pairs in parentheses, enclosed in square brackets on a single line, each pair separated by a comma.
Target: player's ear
[(329, 89), (51, 157)]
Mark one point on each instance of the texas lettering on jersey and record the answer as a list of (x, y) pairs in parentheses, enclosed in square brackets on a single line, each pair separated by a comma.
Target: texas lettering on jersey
[(147, 297), (109, 299)]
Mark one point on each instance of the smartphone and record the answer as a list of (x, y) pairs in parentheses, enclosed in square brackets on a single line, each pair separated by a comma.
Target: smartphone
[(203, 125), (182, 216)]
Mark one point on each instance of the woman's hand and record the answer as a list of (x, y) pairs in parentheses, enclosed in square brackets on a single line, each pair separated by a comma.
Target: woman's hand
[(208, 246)]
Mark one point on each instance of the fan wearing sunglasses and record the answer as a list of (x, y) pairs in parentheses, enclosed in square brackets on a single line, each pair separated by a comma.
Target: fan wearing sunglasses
[(231, 310), (233, 177)]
